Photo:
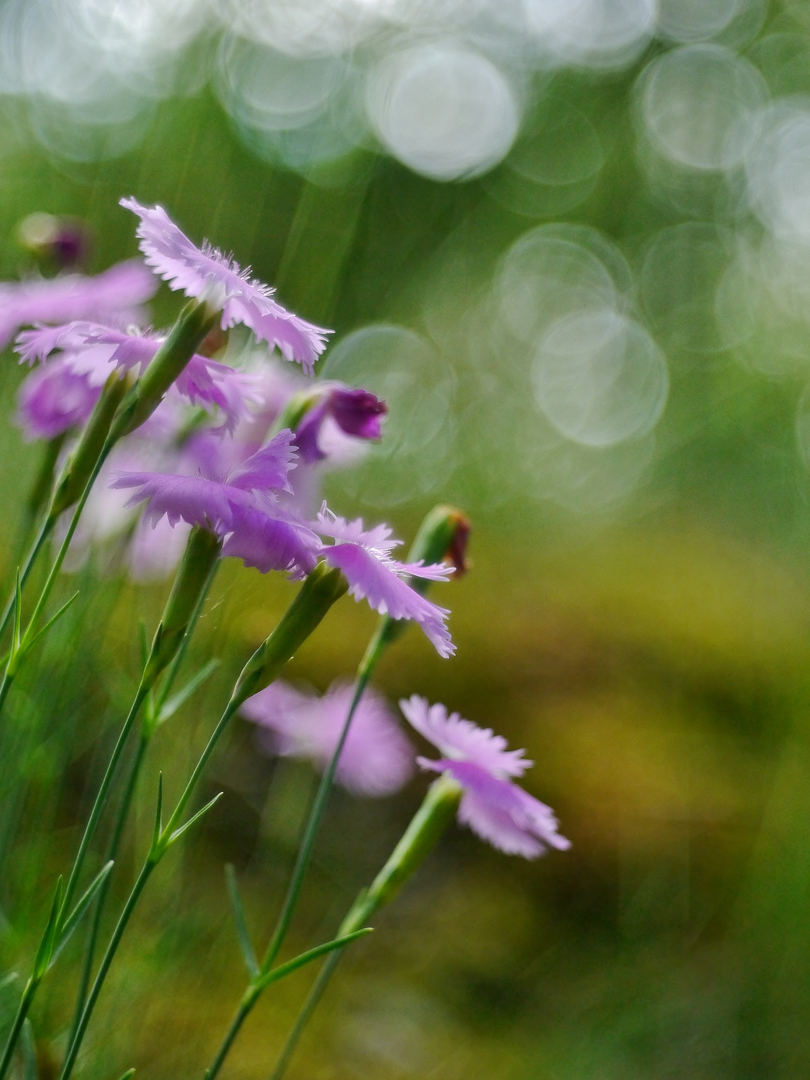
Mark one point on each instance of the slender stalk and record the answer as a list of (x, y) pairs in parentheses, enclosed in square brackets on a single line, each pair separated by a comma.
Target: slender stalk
[(16, 1028), (75, 1045), (426, 827), (98, 907), (321, 589), (370, 659), (147, 731)]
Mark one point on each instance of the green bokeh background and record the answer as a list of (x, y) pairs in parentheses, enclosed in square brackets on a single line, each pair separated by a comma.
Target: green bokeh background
[(652, 656)]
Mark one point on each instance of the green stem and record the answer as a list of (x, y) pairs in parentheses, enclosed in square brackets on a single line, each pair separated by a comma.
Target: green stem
[(321, 589), (370, 659), (198, 551), (426, 827), (16, 1028), (101, 897), (75, 1045)]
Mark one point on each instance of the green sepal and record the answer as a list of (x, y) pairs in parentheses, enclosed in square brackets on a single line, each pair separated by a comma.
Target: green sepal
[(307, 957), (240, 922), (46, 945), (82, 904)]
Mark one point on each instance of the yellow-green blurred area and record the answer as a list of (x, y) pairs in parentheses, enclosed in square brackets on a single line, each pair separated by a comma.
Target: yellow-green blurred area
[(570, 245)]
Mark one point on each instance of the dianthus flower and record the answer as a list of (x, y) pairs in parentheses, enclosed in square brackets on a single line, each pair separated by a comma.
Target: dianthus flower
[(241, 508), (53, 399), (94, 352), (364, 556), (356, 413), (194, 270), (376, 758), (494, 807), (117, 292)]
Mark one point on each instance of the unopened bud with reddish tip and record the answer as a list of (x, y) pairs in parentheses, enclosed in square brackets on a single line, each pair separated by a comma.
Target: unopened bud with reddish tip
[(442, 537)]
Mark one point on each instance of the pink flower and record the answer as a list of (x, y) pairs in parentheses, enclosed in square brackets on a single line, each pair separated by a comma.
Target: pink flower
[(376, 759), (94, 351), (493, 806), (241, 508), (52, 399), (373, 575), (117, 292), (193, 270), (356, 413)]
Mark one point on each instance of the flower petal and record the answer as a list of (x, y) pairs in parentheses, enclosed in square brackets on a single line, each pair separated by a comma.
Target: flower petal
[(370, 578), (184, 266), (463, 740)]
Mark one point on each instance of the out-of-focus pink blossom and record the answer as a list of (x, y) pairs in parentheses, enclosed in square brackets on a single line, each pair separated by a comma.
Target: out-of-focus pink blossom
[(53, 399), (376, 758), (94, 351), (494, 807), (116, 293)]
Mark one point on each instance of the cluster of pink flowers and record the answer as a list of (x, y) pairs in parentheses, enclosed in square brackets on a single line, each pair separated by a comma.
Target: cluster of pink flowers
[(211, 456)]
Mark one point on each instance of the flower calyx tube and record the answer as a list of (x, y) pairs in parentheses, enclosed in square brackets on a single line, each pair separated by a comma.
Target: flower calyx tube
[(194, 323), (322, 588), (199, 561)]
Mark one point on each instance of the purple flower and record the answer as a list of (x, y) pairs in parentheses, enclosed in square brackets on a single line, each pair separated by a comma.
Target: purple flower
[(376, 759), (356, 412), (53, 399), (193, 270), (95, 351), (493, 806), (117, 292), (241, 508), (365, 559)]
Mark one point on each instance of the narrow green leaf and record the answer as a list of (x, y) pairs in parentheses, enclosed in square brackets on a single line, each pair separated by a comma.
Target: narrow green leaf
[(127, 1075), (29, 1051), (181, 697), (143, 642), (309, 956), (15, 640), (8, 979), (45, 949), (72, 920), (179, 832), (248, 955), (156, 833), (30, 644)]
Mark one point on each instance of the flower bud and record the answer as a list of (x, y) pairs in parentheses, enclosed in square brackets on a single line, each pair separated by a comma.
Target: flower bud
[(63, 241), (442, 537)]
